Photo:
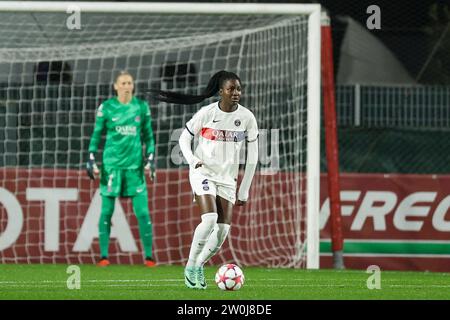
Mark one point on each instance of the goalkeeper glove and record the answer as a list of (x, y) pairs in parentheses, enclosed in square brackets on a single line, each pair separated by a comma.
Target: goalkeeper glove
[(150, 165), (91, 167)]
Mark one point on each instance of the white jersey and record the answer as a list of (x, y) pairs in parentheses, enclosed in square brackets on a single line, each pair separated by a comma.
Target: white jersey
[(221, 137)]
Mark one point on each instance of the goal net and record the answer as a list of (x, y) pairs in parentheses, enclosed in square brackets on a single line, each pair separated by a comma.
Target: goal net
[(58, 64)]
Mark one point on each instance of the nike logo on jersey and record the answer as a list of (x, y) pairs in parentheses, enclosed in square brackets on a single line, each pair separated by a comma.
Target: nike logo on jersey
[(115, 119), (214, 121)]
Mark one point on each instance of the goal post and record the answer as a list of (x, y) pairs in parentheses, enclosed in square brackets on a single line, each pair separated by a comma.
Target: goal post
[(55, 76), (160, 7)]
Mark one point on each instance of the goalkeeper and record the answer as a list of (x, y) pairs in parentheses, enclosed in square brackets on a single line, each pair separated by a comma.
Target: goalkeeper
[(127, 122)]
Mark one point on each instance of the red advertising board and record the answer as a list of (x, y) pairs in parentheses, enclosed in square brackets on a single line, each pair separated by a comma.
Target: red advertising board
[(398, 222), (51, 216)]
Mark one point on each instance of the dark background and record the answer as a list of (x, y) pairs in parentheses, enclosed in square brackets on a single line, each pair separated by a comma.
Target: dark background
[(415, 31)]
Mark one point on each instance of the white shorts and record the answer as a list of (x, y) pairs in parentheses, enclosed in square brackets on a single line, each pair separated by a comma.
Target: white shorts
[(202, 184)]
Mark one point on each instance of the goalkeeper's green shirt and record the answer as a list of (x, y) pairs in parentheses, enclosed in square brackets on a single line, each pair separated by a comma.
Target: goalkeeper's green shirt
[(128, 126)]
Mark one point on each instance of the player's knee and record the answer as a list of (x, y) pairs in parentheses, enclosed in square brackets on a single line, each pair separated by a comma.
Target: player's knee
[(107, 210), (140, 206), (106, 217), (144, 219), (224, 219), (209, 218), (142, 213)]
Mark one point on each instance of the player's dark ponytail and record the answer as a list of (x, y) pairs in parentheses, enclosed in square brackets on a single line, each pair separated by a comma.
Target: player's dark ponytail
[(215, 83)]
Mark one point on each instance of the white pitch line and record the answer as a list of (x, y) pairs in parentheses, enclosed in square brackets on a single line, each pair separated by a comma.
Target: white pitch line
[(93, 281), (181, 279), (390, 283), (148, 283)]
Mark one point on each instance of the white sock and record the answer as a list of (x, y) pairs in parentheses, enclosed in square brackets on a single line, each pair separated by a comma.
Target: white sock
[(213, 244), (201, 235)]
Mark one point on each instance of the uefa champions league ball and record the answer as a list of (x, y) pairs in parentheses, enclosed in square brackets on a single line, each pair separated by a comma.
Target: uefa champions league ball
[(230, 277)]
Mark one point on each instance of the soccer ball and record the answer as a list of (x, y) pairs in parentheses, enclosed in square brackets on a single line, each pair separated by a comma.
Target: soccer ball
[(230, 277)]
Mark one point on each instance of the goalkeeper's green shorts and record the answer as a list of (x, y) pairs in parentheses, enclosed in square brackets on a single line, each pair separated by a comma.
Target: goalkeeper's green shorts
[(122, 182)]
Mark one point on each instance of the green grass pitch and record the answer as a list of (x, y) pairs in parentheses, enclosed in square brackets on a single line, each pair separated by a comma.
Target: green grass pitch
[(117, 282)]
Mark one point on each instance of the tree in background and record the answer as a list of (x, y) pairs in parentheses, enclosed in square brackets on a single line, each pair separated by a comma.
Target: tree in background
[(436, 69)]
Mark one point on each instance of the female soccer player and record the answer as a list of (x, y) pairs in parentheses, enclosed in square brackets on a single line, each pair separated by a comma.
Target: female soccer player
[(125, 119), (222, 128)]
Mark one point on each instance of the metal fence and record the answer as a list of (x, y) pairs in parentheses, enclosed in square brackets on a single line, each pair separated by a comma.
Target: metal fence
[(400, 107)]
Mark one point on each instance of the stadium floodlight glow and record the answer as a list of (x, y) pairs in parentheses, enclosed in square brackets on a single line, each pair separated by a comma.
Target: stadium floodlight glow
[(53, 79)]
